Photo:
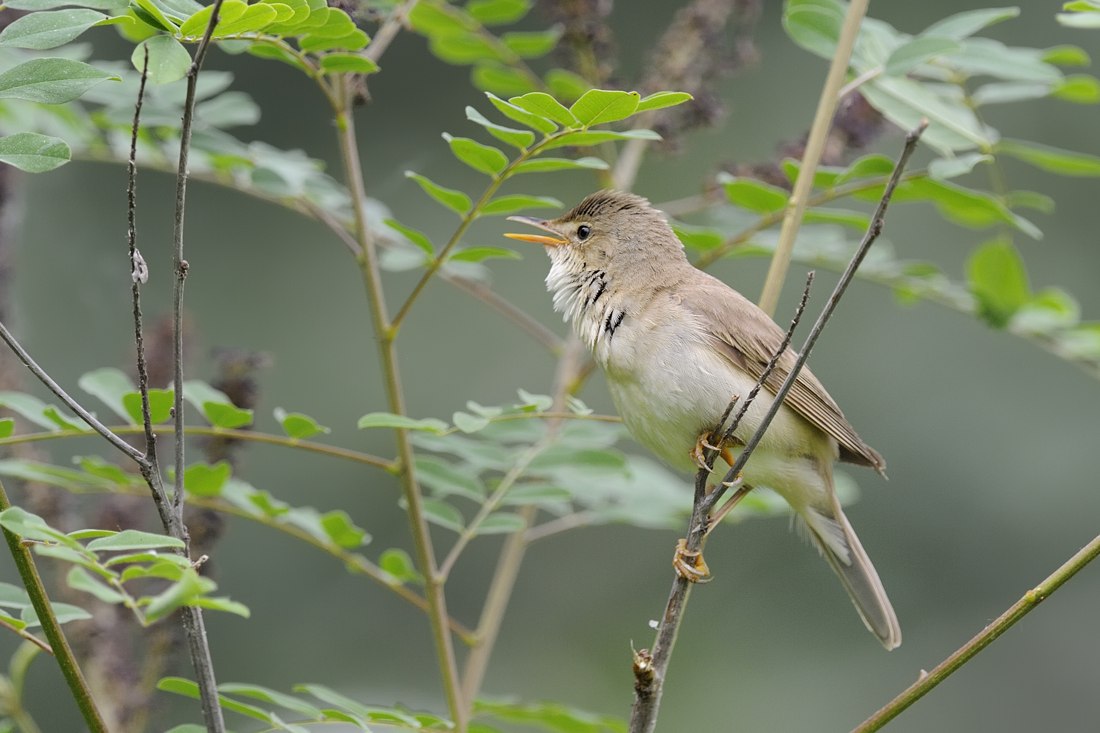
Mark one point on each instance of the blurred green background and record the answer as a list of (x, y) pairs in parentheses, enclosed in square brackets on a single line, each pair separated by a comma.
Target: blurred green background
[(990, 441)]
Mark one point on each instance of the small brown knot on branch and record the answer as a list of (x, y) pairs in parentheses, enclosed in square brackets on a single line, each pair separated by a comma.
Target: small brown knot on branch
[(643, 672), (184, 267)]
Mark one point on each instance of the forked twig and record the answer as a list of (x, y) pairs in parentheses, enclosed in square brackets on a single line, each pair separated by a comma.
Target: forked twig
[(650, 668)]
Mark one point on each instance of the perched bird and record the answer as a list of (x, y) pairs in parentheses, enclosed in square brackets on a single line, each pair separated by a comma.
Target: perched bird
[(676, 344)]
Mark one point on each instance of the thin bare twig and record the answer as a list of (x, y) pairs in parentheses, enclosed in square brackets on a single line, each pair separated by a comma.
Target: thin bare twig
[(21, 353), (193, 624), (651, 668), (987, 636)]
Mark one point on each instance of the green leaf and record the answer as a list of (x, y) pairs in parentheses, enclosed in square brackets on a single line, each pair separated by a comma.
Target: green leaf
[(583, 138), (442, 514), (516, 138), (501, 523), (40, 31), (150, 12), (256, 692), (753, 195), (543, 165), (698, 238), (389, 420), (179, 594), (440, 18), (297, 425), (113, 7), (7, 427), (215, 405), (498, 12), (354, 41), (351, 63), (132, 539), (943, 168), (161, 402), (446, 479), (1053, 160), (482, 158), (599, 106), (499, 79), (33, 527), (962, 25), (543, 105), (456, 201), (50, 81), (522, 116), (203, 479), (534, 402), (1010, 91), (1048, 310), (397, 563), (566, 85), (464, 47), (34, 153), (814, 27), (342, 531), (417, 238), (532, 44), (660, 100), (168, 59), (63, 612), (80, 579), (549, 717), (913, 53), (30, 407), (905, 102), (1067, 55), (480, 254), (512, 203), (468, 423), (108, 385), (867, 166), (1078, 88), (538, 494), (1089, 20), (998, 279)]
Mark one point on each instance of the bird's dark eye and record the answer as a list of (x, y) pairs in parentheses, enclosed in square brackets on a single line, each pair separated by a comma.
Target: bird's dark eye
[(583, 231)]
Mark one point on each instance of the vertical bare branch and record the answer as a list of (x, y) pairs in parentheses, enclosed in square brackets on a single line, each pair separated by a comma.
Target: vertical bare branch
[(193, 623), (823, 117)]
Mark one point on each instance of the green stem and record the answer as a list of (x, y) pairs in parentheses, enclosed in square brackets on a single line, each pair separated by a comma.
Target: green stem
[(491, 504), (815, 146), (66, 660), (385, 332), (966, 652)]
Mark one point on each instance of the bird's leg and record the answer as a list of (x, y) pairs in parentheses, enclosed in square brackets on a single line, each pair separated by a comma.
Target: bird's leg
[(689, 564)]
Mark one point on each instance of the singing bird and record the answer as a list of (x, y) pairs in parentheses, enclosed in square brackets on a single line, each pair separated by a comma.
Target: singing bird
[(676, 344)]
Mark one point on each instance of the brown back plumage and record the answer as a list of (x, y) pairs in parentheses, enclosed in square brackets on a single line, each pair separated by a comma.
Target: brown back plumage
[(748, 338)]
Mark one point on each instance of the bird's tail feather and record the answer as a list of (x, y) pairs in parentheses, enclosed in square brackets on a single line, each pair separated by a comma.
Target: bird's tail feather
[(837, 541)]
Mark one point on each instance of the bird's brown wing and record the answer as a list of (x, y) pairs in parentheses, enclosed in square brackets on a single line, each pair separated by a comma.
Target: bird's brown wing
[(749, 338)]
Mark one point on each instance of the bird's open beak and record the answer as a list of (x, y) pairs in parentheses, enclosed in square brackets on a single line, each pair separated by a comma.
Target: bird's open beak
[(554, 241)]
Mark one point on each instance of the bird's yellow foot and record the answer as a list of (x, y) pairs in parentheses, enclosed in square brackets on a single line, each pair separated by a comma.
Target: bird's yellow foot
[(689, 564), (706, 442)]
